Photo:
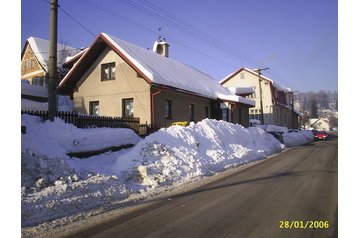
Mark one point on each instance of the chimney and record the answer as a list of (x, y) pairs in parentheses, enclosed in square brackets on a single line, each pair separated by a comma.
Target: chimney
[(161, 47)]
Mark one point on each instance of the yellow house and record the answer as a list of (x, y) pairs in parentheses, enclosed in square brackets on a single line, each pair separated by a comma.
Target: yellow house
[(34, 58), (117, 78), (274, 104)]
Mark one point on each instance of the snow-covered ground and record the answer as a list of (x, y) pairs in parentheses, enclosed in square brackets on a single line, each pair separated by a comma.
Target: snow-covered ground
[(55, 185)]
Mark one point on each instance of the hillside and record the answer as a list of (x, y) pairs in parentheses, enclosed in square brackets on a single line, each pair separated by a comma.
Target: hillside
[(322, 104)]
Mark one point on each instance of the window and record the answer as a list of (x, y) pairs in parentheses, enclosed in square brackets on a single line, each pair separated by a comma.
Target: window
[(25, 65), (191, 112), (127, 105), (32, 63), (225, 114), (108, 71), (206, 112), (41, 81), (168, 109), (94, 108)]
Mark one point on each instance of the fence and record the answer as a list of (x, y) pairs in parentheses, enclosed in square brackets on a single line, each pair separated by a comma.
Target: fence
[(88, 121)]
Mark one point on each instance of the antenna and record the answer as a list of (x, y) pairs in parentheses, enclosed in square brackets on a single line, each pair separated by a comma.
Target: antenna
[(161, 36), (260, 69), (159, 33)]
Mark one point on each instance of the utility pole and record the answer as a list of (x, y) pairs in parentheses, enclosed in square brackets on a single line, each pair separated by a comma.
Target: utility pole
[(260, 87), (52, 68)]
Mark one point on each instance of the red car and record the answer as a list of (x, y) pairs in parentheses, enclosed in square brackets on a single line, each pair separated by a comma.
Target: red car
[(320, 135)]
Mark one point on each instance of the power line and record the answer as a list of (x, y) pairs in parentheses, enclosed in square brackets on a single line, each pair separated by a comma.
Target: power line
[(70, 16), (162, 15), (74, 19), (120, 17)]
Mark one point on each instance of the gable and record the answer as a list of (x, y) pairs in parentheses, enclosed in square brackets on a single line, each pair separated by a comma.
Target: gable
[(126, 79), (87, 59), (30, 66)]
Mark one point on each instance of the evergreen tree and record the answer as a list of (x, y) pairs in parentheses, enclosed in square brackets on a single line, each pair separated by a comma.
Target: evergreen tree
[(324, 101), (313, 109)]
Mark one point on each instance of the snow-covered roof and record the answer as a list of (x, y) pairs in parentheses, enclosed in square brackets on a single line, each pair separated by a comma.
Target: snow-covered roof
[(40, 48), (165, 71), (242, 90), (80, 53)]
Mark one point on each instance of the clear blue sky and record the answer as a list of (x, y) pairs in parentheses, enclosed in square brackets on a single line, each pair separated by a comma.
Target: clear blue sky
[(296, 39)]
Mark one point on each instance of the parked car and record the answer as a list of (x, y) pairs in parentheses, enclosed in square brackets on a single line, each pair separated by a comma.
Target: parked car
[(320, 135)]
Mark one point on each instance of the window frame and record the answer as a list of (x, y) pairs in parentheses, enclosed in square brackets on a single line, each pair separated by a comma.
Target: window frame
[(110, 66), (32, 62), (191, 112), (25, 66), (124, 113), (92, 105), (207, 112), (168, 114)]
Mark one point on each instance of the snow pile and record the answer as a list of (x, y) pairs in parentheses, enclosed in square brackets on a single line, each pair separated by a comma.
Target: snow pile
[(51, 189), (177, 154), (54, 185), (56, 139), (297, 138), (274, 128), (290, 139)]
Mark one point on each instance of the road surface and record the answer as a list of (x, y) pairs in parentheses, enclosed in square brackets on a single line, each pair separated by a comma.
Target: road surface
[(293, 194)]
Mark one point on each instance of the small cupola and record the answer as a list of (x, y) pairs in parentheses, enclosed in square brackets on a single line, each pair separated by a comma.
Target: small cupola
[(161, 47)]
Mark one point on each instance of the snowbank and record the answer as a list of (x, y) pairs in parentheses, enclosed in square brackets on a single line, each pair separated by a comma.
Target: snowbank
[(297, 138), (290, 139), (56, 139), (55, 185), (177, 154)]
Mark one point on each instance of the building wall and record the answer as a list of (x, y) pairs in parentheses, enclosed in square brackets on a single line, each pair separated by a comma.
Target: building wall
[(30, 67), (110, 93), (247, 79), (128, 84), (180, 107)]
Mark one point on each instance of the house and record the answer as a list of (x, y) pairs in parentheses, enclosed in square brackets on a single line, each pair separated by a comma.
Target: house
[(34, 59), (117, 78), (274, 104), (321, 124)]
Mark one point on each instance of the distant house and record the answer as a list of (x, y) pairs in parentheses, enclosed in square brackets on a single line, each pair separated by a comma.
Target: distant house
[(321, 124), (277, 102), (117, 78), (34, 59)]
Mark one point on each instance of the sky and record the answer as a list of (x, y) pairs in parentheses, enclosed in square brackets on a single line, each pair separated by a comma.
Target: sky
[(297, 40)]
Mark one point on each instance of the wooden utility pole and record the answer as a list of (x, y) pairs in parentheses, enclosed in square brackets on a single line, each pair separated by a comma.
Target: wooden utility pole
[(260, 87), (52, 68)]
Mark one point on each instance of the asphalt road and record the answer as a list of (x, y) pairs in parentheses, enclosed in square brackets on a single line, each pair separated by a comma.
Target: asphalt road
[(297, 189)]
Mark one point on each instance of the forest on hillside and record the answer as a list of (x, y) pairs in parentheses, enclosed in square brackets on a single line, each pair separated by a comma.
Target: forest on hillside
[(318, 104)]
